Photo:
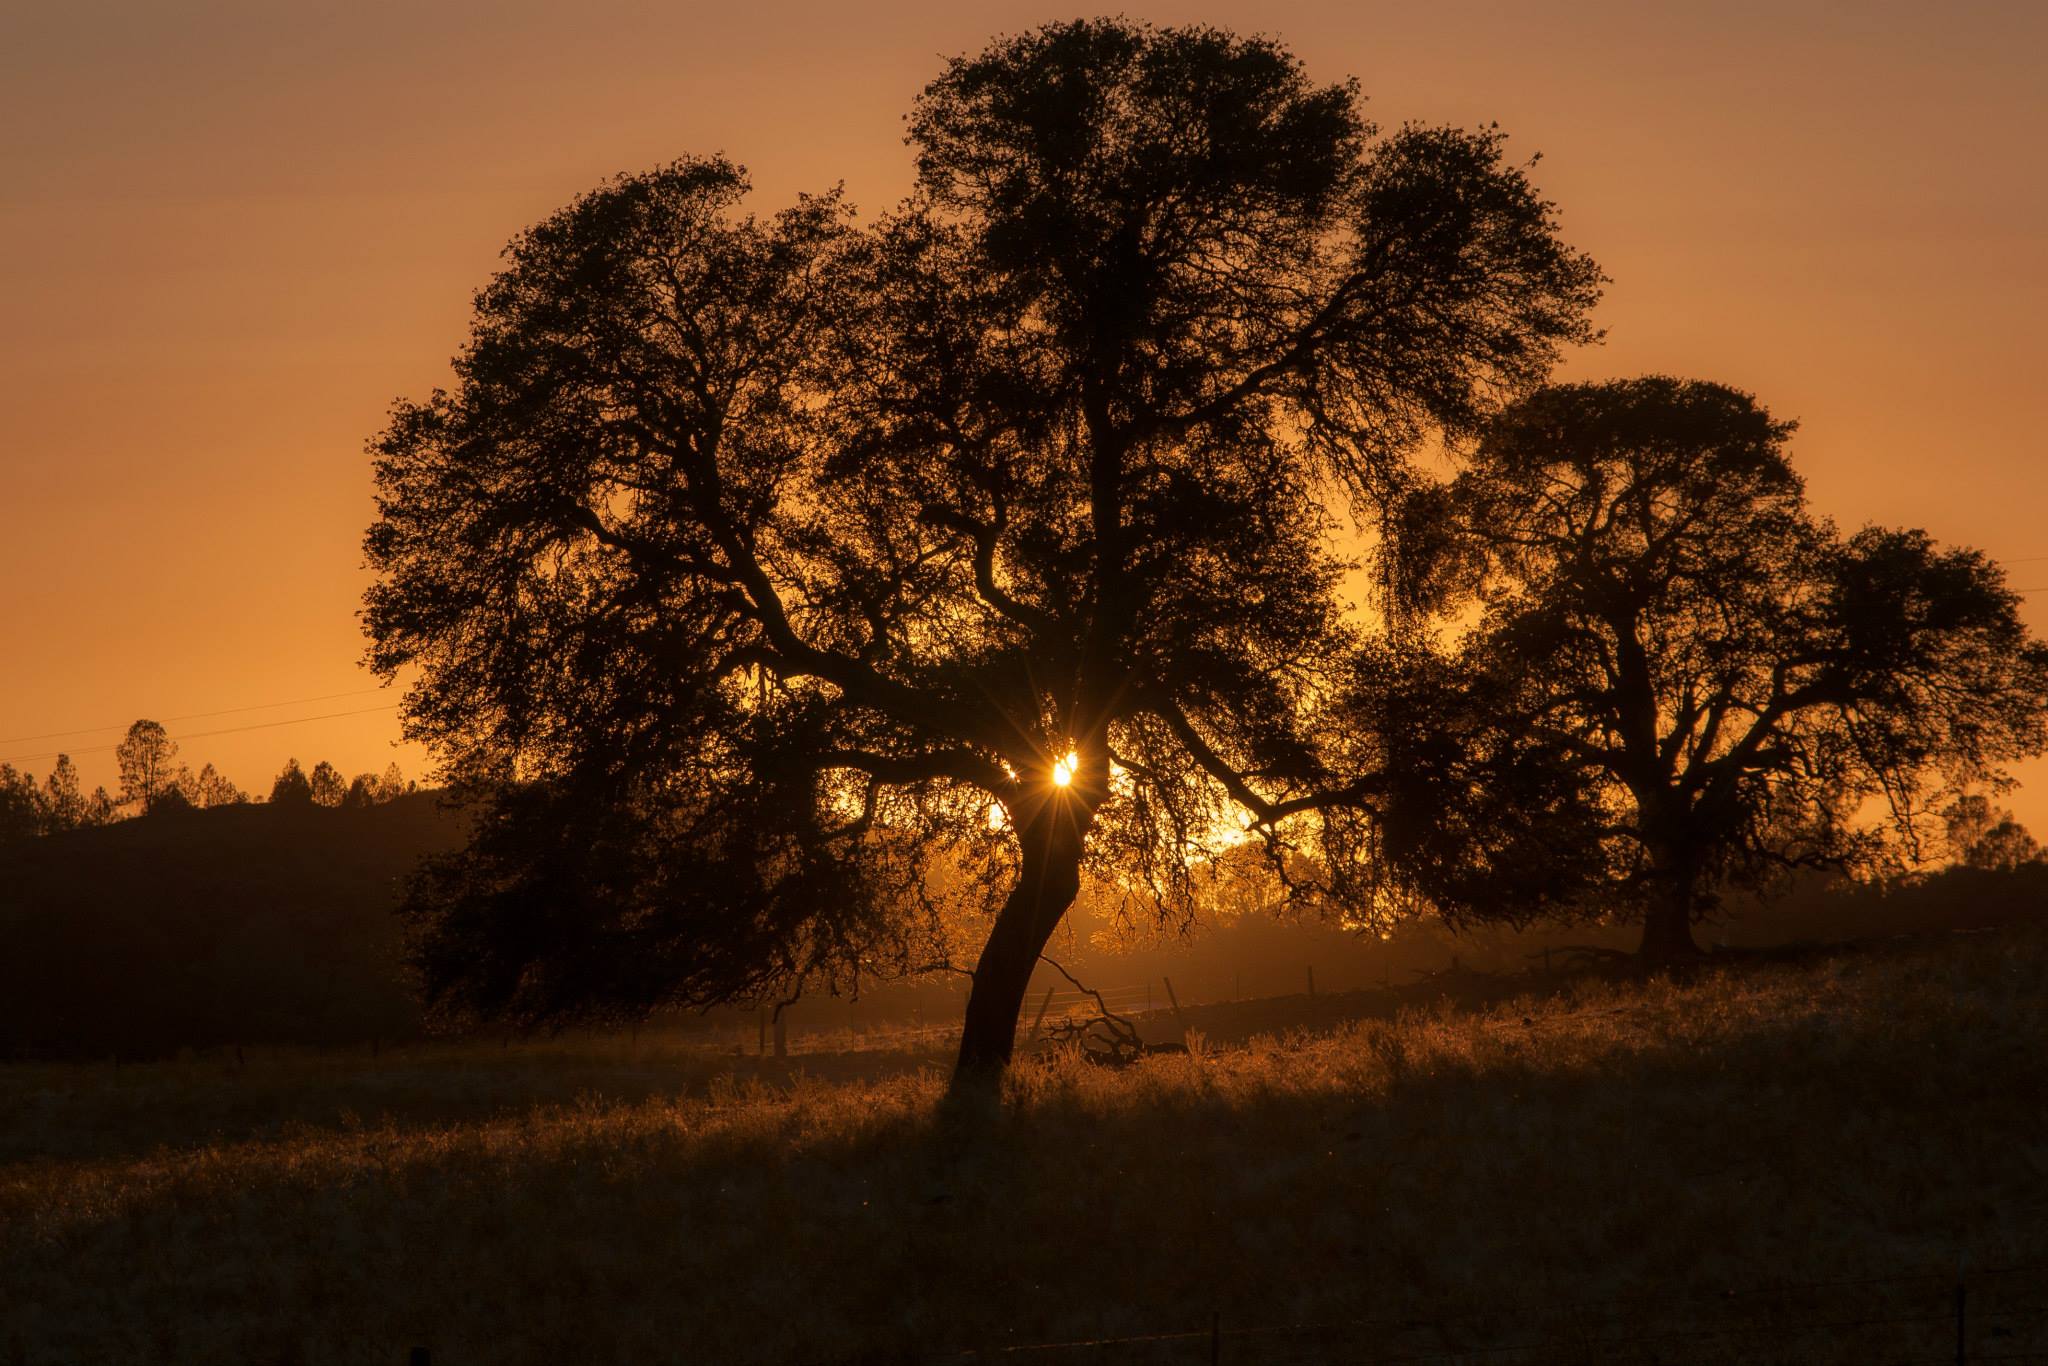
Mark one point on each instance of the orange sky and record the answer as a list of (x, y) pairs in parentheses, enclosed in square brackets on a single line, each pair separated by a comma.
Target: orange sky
[(230, 234)]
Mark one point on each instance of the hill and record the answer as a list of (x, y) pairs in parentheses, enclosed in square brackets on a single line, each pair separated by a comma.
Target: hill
[(233, 925)]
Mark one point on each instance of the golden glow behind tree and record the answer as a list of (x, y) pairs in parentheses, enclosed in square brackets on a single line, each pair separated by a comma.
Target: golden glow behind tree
[(750, 560)]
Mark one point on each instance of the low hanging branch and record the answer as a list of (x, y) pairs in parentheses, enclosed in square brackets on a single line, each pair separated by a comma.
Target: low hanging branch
[(1115, 1045)]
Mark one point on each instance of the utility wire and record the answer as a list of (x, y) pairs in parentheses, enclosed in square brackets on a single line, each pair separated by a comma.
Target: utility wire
[(191, 716), (203, 734)]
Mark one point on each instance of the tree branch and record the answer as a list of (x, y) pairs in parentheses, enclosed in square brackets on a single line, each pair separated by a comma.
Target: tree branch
[(984, 538), (1266, 812)]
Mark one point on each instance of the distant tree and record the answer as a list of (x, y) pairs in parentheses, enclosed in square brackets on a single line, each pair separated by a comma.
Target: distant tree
[(101, 808), (1981, 835), (1731, 681), (211, 789), (374, 789), (291, 787), (326, 785), (754, 569), (146, 757), (173, 799), (21, 815), (63, 805)]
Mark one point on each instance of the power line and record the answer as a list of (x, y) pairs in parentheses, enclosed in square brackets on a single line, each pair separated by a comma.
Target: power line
[(191, 716), (203, 734)]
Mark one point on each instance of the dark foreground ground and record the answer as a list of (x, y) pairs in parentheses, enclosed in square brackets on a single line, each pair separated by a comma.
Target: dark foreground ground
[(1775, 1161)]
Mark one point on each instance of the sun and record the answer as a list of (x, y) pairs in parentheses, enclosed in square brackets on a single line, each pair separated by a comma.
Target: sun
[(1063, 770)]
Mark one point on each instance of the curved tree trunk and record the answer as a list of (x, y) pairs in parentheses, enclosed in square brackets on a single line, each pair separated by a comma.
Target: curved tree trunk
[(1046, 886)]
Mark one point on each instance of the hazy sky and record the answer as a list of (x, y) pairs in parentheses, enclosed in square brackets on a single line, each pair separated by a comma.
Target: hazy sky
[(231, 234)]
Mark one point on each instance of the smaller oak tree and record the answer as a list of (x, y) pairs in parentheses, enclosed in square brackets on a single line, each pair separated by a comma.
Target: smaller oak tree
[(1732, 686)]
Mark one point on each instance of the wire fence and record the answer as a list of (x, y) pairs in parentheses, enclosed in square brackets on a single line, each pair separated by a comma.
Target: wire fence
[(1044, 1009)]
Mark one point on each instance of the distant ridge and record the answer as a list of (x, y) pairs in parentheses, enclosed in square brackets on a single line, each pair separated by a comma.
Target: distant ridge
[(234, 925)]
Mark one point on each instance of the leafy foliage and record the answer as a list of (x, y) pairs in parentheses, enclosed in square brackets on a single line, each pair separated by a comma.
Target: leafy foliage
[(291, 787), (1731, 680), (799, 547), (325, 785), (145, 757)]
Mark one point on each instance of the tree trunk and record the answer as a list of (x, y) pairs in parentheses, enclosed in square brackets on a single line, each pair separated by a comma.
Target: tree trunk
[(1667, 925), (1047, 884), (1667, 932)]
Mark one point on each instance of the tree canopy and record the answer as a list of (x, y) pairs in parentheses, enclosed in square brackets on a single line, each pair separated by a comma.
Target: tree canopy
[(782, 584), (1721, 684), (145, 757), (291, 787)]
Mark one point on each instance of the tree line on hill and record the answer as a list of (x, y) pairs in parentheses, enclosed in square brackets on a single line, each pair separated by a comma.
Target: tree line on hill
[(154, 782)]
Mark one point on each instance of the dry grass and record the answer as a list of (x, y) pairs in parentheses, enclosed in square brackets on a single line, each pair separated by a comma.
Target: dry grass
[(1554, 1171)]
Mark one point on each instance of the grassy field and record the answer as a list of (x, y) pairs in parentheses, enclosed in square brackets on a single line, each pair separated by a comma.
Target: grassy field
[(1630, 1172)]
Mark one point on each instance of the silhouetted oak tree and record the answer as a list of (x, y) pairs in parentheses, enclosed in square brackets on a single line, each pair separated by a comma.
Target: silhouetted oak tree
[(781, 584), (1730, 683)]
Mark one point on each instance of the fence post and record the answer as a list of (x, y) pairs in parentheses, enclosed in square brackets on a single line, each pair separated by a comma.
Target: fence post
[(1215, 1339), (781, 1034), (1039, 1018), (761, 1031), (1178, 1018)]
